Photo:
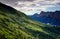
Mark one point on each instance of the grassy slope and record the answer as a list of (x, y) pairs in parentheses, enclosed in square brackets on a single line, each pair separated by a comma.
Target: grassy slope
[(16, 25)]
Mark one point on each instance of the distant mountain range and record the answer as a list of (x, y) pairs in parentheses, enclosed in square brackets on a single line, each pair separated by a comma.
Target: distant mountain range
[(48, 17), (16, 25)]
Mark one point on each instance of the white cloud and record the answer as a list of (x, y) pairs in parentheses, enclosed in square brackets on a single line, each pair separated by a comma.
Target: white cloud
[(37, 5), (33, 6)]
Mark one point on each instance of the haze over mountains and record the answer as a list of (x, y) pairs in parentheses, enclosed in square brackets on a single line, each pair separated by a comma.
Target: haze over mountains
[(48, 17), (16, 25)]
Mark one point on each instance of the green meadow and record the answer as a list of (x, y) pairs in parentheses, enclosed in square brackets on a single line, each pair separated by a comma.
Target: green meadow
[(16, 25)]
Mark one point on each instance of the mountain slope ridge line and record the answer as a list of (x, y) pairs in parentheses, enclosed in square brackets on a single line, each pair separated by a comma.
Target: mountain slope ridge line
[(16, 25)]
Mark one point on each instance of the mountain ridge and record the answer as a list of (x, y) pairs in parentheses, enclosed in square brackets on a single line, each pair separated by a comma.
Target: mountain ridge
[(16, 25), (48, 17)]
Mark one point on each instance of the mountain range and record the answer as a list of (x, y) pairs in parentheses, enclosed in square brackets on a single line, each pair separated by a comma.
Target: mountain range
[(52, 18), (16, 25)]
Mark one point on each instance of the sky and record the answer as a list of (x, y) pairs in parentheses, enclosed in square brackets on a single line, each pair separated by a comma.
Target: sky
[(30, 7)]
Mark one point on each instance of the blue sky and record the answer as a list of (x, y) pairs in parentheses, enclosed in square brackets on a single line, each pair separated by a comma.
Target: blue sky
[(30, 7)]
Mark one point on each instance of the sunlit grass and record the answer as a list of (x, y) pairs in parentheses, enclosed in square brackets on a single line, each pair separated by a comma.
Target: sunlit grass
[(16, 25)]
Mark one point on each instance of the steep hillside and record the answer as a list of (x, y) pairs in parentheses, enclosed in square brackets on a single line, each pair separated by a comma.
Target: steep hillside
[(48, 17), (16, 25)]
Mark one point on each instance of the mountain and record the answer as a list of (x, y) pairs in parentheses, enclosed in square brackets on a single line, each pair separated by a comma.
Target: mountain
[(48, 17), (16, 25)]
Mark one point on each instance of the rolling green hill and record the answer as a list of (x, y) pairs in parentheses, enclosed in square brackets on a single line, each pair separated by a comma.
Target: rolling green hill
[(16, 25)]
